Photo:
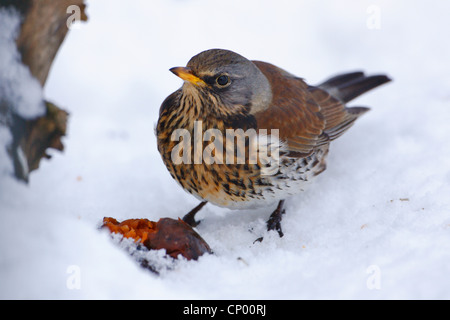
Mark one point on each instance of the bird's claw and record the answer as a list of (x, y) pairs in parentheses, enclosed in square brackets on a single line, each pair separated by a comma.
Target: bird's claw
[(274, 222)]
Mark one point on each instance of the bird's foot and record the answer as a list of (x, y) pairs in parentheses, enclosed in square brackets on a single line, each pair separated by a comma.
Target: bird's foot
[(191, 221), (274, 222), (189, 218)]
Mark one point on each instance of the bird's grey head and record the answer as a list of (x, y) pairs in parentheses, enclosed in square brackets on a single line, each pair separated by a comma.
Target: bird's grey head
[(227, 75)]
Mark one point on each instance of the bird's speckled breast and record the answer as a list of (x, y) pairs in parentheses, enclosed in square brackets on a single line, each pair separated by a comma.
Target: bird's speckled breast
[(222, 184), (235, 186)]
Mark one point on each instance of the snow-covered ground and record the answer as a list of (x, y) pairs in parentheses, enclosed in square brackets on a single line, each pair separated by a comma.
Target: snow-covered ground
[(375, 225)]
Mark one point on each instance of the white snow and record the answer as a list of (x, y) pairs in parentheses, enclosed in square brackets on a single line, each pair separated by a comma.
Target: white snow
[(375, 225)]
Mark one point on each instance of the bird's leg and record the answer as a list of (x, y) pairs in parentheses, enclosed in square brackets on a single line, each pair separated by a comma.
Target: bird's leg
[(274, 222), (189, 218)]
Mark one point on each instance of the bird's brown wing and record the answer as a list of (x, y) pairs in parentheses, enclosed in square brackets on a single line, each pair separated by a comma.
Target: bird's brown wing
[(338, 117), (293, 111), (307, 117)]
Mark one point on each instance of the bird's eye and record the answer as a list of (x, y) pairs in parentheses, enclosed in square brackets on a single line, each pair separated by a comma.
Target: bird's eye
[(223, 80)]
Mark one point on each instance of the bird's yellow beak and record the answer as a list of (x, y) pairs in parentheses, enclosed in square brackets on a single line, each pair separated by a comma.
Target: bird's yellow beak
[(186, 74)]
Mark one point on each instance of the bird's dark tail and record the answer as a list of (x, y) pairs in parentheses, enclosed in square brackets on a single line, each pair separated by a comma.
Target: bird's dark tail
[(348, 86)]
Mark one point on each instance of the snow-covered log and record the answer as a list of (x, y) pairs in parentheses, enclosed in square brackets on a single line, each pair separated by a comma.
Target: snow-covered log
[(31, 34)]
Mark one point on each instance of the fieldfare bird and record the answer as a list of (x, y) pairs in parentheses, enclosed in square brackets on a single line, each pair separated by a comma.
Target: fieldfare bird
[(207, 130)]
